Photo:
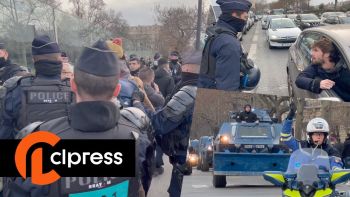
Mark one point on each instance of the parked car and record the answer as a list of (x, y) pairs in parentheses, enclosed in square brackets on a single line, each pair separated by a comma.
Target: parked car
[(304, 21), (325, 15), (205, 153), (264, 22), (300, 57), (333, 20), (282, 32)]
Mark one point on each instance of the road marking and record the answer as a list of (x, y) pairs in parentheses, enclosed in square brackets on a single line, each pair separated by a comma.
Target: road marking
[(252, 51), (200, 186)]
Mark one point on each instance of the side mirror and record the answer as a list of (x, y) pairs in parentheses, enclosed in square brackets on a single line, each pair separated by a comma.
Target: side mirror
[(275, 177), (340, 176)]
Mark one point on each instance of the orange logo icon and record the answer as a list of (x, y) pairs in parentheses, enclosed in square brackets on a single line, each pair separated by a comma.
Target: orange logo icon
[(38, 177)]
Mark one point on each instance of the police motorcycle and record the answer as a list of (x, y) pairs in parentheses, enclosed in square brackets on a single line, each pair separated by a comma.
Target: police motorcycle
[(309, 175)]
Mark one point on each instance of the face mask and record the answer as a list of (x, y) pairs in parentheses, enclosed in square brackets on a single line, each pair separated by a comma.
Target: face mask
[(174, 61), (3, 61), (236, 23)]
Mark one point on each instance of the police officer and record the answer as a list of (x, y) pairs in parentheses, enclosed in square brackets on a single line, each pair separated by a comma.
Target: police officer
[(94, 116), (247, 115), (317, 131), (175, 66), (36, 98), (172, 123), (7, 68), (222, 53)]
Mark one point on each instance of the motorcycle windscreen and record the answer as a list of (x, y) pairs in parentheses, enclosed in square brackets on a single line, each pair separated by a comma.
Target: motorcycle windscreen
[(308, 156)]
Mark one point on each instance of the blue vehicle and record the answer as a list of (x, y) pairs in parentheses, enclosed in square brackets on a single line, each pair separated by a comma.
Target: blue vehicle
[(205, 153), (248, 149)]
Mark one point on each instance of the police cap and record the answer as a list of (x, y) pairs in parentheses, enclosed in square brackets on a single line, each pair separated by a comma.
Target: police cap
[(230, 5), (44, 45), (98, 60)]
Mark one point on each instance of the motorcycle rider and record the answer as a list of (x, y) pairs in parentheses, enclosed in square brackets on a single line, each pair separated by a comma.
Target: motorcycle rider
[(317, 137)]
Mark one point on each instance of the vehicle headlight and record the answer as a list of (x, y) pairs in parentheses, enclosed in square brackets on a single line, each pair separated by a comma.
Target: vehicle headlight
[(210, 148), (307, 24), (273, 37), (224, 139), (193, 158)]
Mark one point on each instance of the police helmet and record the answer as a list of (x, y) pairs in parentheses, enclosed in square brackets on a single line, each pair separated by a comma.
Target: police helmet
[(317, 125), (250, 75)]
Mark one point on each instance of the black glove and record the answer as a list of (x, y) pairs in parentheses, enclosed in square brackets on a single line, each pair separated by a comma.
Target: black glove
[(292, 109), (138, 96)]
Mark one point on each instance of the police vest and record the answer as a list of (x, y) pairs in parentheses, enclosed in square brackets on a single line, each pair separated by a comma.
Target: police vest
[(208, 64), (43, 100), (80, 186)]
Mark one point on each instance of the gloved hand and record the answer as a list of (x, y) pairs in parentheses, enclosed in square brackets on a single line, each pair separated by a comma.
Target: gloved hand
[(292, 110), (138, 96)]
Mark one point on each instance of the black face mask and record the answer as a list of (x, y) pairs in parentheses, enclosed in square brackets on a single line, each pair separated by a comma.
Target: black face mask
[(3, 62), (234, 22), (174, 61)]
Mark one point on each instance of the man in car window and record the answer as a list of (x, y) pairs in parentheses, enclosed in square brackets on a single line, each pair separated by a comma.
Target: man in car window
[(327, 71)]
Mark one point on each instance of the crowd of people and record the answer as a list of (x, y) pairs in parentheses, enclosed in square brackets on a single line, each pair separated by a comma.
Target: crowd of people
[(105, 95)]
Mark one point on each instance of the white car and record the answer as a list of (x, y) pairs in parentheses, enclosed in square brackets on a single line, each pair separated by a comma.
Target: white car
[(282, 32)]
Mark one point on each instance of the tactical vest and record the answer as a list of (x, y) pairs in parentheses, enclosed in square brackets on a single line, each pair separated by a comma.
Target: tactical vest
[(66, 186), (208, 64), (43, 100)]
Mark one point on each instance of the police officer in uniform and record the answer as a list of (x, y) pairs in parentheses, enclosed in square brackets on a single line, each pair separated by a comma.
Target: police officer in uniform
[(7, 68), (247, 115), (36, 98), (221, 63), (172, 123), (94, 116)]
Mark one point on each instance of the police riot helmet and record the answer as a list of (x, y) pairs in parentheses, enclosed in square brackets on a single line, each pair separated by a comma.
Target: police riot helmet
[(317, 125), (250, 75)]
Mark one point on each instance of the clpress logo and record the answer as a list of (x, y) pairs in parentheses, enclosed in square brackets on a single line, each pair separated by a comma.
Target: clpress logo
[(45, 157), (38, 177)]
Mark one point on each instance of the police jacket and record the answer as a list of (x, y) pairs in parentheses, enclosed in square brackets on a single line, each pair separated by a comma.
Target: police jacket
[(173, 122), (310, 78), (226, 53), (35, 98), (247, 116), (86, 120), (292, 143), (346, 150)]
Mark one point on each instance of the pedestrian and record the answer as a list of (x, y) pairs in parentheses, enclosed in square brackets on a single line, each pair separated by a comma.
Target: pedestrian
[(22, 103), (95, 83), (152, 90), (222, 54), (327, 71), (163, 77), (134, 65), (7, 68), (175, 66)]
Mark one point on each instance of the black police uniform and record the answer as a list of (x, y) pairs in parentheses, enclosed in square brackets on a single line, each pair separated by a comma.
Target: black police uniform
[(247, 116), (172, 124), (8, 70), (86, 120), (36, 98)]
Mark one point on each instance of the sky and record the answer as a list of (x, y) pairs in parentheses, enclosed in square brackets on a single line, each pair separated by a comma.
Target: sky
[(141, 12)]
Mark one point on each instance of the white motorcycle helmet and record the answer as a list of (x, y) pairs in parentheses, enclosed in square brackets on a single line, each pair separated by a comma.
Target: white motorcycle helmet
[(317, 125)]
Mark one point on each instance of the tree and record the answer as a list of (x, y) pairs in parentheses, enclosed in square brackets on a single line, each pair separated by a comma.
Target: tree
[(178, 27)]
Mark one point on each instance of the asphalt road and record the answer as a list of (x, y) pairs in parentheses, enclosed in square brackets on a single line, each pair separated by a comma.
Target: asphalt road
[(272, 62)]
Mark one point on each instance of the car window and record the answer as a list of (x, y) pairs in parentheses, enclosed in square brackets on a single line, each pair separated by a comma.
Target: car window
[(305, 45), (253, 131)]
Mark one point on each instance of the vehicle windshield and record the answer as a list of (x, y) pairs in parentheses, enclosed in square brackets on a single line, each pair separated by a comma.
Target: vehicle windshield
[(253, 131), (309, 17), (282, 23), (344, 20), (308, 157)]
